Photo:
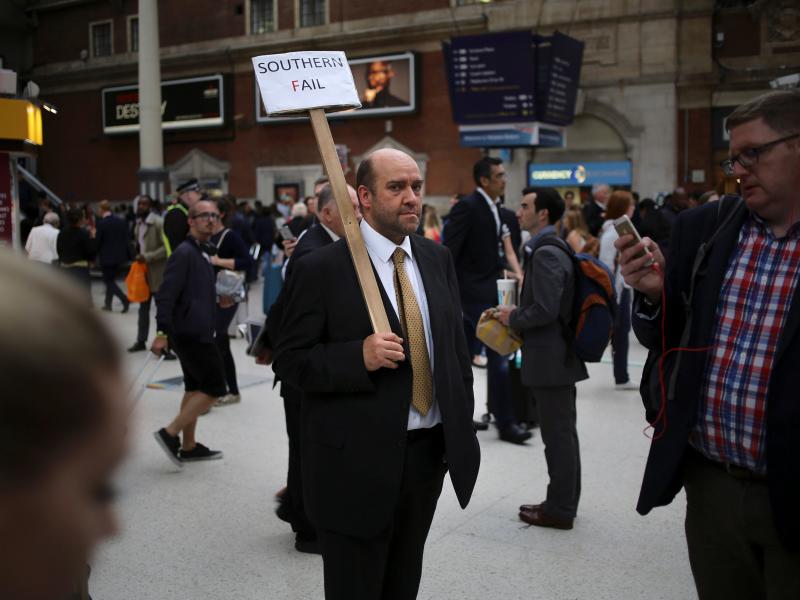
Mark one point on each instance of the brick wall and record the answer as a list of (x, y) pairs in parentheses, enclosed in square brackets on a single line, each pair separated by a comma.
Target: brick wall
[(366, 9), (79, 162)]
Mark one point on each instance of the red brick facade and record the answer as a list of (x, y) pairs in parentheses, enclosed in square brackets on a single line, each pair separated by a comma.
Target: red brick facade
[(75, 136)]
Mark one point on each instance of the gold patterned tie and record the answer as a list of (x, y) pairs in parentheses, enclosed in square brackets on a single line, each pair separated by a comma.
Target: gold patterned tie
[(414, 329)]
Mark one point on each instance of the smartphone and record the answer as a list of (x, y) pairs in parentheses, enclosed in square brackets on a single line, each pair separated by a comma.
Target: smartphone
[(624, 226), (286, 233)]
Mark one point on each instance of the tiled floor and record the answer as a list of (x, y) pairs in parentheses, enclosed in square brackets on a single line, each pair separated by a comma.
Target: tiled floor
[(209, 532)]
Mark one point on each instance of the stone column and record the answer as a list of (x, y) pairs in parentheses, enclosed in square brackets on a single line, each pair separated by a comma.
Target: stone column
[(152, 175)]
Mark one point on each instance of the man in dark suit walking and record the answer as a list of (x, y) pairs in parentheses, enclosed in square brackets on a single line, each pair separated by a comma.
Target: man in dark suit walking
[(385, 415), (327, 230), (474, 236), (113, 251), (730, 425), (549, 366), (594, 210)]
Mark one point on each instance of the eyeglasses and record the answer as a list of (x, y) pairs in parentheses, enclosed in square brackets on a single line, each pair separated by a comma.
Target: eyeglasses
[(207, 216), (747, 158)]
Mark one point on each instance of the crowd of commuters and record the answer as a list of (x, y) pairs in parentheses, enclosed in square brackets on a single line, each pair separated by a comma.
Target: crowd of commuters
[(375, 420)]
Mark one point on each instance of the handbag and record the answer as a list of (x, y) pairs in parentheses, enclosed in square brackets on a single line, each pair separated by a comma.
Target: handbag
[(500, 338), (136, 282), (231, 284)]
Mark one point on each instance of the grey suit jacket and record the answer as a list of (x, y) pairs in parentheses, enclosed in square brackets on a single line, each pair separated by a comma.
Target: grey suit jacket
[(547, 294)]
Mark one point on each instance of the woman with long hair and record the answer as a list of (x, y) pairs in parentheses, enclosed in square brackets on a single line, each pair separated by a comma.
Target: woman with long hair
[(620, 203), (577, 232), (232, 254), (431, 223)]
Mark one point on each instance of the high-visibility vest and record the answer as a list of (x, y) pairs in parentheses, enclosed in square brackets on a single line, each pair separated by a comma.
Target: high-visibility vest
[(185, 211)]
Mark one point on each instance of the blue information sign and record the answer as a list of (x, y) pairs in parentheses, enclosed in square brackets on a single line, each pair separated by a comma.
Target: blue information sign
[(571, 174), (511, 135)]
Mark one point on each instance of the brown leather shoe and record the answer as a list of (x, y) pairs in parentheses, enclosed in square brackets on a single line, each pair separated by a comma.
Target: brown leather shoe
[(530, 507), (542, 519)]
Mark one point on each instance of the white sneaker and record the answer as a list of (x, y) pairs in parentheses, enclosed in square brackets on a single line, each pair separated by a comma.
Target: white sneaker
[(628, 385), (228, 399)]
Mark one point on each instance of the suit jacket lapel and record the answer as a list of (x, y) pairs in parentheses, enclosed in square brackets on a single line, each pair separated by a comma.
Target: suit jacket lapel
[(487, 212), (431, 279)]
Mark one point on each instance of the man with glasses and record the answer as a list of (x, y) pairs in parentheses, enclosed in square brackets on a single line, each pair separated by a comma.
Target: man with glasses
[(474, 236), (186, 305), (731, 416)]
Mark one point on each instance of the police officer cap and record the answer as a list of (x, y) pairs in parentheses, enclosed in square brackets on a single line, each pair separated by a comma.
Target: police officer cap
[(190, 186)]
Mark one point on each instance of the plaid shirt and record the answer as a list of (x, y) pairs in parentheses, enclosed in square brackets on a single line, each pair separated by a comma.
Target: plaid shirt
[(754, 303)]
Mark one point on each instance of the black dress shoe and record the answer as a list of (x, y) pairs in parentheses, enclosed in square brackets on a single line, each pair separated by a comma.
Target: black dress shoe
[(126, 307), (284, 512), (530, 507), (515, 434), (137, 347), (539, 518), (480, 425), (169, 355)]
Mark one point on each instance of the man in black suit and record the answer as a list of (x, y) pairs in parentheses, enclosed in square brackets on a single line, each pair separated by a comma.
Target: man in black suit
[(594, 211), (385, 415), (113, 251), (731, 422), (473, 234), (328, 230)]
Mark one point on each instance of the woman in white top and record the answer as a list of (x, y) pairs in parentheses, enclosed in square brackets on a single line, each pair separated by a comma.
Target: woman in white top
[(621, 203)]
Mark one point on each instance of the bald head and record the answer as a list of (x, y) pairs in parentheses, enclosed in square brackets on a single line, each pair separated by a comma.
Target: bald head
[(389, 187)]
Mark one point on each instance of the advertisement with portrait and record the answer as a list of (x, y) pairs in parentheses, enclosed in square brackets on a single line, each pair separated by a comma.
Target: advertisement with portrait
[(387, 86)]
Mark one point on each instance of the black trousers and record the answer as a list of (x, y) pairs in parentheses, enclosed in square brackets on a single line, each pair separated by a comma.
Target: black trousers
[(498, 378), (389, 567), (224, 318), (112, 289), (144, 320), (620, 341), (557, 425), (734, 548), (292, 403)]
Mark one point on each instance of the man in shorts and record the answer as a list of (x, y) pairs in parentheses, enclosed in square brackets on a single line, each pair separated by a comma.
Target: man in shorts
[(186, 304)]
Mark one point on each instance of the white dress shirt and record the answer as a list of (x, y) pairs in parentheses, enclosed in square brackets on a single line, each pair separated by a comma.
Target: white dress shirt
[(493, 207), (41, 244), (380, 250)]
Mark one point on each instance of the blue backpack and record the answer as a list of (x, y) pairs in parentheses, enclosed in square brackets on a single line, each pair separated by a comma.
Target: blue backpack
[(594, 306)]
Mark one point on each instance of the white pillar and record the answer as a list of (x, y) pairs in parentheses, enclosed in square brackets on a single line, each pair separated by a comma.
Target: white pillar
[(151, 146)]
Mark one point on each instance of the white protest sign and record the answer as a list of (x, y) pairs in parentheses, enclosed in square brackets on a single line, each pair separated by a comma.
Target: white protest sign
[(301, 81)]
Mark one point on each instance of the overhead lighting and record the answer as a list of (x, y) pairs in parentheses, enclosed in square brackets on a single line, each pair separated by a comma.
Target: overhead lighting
[(50, 108)]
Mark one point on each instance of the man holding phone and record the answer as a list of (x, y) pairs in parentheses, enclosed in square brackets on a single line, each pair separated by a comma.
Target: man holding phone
[(730, 419)]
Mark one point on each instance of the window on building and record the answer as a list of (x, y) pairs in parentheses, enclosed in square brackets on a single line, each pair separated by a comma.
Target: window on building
[(133, 34), (312, 12), (468, 2), (101, 37), (262, 16)]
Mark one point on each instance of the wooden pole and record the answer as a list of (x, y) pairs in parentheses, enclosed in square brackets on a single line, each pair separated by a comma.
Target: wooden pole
[(352, 231)]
